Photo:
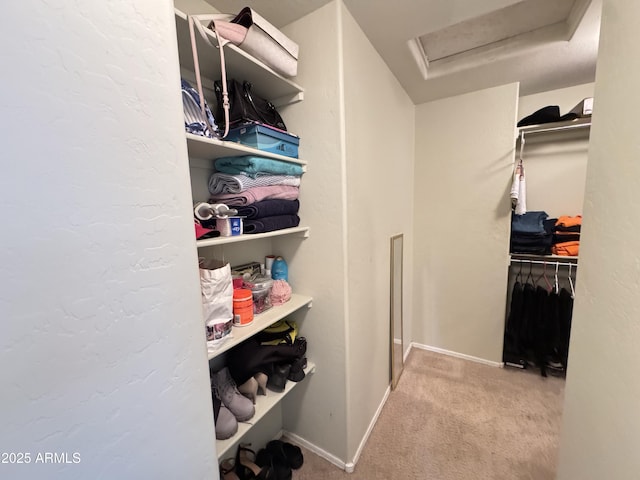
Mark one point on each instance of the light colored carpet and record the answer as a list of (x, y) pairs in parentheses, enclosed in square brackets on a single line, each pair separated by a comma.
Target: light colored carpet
[(452, 419)]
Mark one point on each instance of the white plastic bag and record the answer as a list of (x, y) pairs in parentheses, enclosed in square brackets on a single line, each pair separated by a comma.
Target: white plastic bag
[(217, 300)]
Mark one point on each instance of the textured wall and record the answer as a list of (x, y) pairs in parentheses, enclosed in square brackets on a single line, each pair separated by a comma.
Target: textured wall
[(463, 172), (601, 428), (316, 410), (380, 155), (101, 341)]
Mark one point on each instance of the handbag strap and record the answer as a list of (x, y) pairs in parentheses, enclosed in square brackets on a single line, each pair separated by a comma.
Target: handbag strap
[(195, 22)]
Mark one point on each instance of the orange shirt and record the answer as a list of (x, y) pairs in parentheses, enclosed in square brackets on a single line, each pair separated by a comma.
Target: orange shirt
[(566, 221)]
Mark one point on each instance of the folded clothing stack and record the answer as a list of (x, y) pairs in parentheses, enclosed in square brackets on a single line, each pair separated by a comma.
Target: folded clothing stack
[(265, 191), (532, 233), (566, 237)]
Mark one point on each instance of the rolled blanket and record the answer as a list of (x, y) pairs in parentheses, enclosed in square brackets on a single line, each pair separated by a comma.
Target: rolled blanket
[(257, 194), (225, 183), (269, 224), (269, 208), (254, 166)]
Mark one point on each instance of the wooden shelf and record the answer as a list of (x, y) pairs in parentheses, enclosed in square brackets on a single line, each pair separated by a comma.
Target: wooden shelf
[(212, 148), (212, 242), (263, 405), (240, 65), (260, 322)]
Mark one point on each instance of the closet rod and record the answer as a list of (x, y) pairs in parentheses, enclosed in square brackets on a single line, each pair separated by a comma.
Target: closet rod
[(551, 263)]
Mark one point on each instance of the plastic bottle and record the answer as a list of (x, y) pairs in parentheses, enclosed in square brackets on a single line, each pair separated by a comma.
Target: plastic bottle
[(279, 269)]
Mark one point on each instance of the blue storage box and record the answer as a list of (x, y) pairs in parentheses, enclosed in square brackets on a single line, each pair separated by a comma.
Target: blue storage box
[(266, 139)]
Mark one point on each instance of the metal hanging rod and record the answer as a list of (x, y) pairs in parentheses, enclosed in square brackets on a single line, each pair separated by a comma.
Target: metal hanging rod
[(550, 263)]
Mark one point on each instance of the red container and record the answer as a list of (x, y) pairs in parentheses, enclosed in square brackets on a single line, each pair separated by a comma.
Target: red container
[(242, 307)]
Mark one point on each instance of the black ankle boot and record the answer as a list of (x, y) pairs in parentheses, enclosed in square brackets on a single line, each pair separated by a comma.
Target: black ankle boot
[(278, 376)]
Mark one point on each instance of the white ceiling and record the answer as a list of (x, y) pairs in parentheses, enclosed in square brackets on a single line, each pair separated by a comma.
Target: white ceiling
[(540, 62)]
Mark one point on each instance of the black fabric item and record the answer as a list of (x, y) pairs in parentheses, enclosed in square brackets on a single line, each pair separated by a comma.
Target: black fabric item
[(532, 250), (269, 208), (249, 358), (245, 106), (572, 237), (574, 228), (548, 114), (296, 374), (512, 351), (279, 465), (270, 224), (285, 452), (565, 312)]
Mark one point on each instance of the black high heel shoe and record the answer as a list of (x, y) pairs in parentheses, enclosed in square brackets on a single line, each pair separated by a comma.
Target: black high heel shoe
[(246, 469)]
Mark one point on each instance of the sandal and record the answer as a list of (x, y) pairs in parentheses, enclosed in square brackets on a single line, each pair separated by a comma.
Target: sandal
[(227, 470), (246, 469)]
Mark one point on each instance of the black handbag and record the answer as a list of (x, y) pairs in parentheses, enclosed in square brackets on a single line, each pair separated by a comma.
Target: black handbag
[(246, 107)]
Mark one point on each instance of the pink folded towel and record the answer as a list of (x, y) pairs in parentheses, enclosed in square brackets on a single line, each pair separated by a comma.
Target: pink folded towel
[(257, 194)]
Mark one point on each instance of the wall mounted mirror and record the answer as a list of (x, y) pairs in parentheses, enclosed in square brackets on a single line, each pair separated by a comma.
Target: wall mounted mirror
[(395, 309)]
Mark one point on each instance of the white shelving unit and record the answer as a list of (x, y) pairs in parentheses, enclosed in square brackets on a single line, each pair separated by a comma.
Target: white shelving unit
[(266, 82), (262, 321), (202, 151), (212, 242), (212, 148)]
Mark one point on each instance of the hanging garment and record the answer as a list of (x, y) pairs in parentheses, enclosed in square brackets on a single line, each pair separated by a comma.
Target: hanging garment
[(512, 351), (519, 190), (565, 312)]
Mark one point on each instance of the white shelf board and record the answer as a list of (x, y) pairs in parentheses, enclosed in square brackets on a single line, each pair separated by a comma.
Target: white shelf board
[(240, 65), (578, 123), (262, 321), (549, 258), (212, 242), (263, 405), (212, 148)]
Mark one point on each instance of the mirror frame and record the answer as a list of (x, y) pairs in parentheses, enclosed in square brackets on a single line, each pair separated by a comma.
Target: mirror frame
[(396, 243)]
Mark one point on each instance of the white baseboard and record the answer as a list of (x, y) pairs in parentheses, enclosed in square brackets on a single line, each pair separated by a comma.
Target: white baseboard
[(348, 467), (457, 355), (351, 466), (315, 449)]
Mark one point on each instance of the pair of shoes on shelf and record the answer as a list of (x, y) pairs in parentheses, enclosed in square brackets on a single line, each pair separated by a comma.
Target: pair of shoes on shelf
[(282, 457), (225, 421), (296, 374), (226, 390), (256, 385), (247, 469)]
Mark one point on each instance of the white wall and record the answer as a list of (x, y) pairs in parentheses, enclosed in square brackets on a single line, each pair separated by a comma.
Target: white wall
[(380, 157), (316, 410), (556, 163), (601, 427), (102, 341), (464, 165)]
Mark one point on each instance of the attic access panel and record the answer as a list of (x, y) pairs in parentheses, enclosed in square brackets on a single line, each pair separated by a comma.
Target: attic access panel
[(501, 32)]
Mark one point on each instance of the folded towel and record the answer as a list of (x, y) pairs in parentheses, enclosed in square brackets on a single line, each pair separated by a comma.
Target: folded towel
[(530, 222), (233, 32), (573, 229), (257, 194), (570, 249), (519, 190), (225, 183), (560, 237), (269, 224), (269, 208), (254, 166), (566, 221)]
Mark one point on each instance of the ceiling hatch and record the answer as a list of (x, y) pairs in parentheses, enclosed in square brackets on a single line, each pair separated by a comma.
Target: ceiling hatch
[(498, 34)]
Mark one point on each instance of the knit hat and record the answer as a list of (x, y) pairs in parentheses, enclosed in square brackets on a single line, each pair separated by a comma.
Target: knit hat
[(280, 292)]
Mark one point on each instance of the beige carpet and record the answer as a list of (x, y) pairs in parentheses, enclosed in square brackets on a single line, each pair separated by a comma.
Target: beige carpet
[(451, 419)]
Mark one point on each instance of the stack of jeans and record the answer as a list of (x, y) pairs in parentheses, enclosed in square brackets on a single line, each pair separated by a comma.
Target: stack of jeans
[(532, 233)]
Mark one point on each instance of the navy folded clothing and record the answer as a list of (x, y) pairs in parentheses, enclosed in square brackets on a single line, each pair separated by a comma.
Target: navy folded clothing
[(269, 224), (269, 208), (530, 222), (574, 228)]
